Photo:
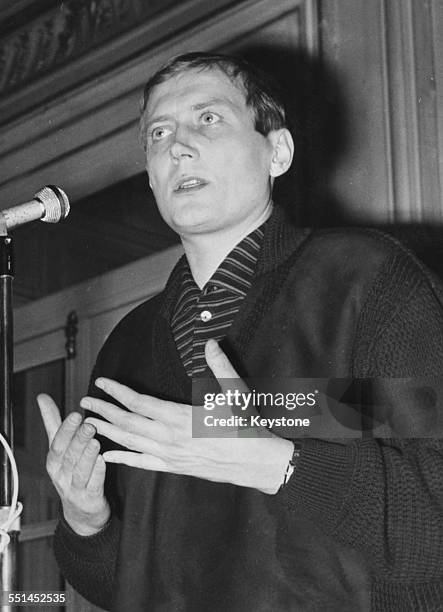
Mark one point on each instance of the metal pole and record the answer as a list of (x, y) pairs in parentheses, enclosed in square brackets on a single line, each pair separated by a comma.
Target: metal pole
[(5, 384), (9, 556)]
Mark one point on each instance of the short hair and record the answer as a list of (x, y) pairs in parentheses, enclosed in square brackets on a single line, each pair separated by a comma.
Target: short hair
[(262, 93)]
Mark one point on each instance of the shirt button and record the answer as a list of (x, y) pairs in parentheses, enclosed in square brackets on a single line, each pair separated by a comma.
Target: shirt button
[(205, 316)]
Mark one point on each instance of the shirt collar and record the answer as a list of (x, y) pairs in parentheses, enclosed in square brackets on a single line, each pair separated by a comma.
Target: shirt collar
[(236, 271), (281, 240)]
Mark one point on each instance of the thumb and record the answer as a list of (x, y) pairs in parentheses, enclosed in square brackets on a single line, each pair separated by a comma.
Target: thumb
[(222, 368), (50, 415), (228, 379), (218, 362)]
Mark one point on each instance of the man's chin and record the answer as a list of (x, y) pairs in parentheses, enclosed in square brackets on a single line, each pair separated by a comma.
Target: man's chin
[(194, 224)]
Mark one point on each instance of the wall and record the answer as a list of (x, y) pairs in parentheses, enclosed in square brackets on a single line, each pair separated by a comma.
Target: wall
[(388, 57)]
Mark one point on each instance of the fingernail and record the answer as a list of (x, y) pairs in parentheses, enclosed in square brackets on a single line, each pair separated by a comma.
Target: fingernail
[(88, 429), (85, 403), (100, 383), (75, 418), (212, 346)]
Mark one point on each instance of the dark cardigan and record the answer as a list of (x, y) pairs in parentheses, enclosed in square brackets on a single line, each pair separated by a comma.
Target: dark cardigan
[(359, 525)]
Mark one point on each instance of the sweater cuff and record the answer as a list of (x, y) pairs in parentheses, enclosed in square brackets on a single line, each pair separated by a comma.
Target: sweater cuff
[(94, 548), (321, 480), (407, 597)]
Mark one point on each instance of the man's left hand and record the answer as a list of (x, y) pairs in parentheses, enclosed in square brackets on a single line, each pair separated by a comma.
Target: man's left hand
[(158, 434)]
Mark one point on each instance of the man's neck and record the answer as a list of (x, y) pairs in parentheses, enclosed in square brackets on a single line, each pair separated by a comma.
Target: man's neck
[(205, 252)]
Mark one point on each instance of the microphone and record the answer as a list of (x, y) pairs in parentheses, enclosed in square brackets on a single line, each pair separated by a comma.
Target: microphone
[(50, 204)]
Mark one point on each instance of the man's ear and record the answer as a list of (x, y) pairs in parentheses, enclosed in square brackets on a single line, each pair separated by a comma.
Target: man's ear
[(282, 151)]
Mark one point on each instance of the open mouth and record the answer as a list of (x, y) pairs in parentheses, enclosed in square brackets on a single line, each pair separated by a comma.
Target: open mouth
[(190, 183)]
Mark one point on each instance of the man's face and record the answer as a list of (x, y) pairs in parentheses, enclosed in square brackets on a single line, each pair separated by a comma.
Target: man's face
[(208, 167)]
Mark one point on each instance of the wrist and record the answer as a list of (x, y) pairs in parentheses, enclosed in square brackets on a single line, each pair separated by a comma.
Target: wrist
[(87, 525), (290, 468), (273, 472)]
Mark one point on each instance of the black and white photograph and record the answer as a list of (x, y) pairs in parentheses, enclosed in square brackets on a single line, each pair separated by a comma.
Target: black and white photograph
[(221, 281)]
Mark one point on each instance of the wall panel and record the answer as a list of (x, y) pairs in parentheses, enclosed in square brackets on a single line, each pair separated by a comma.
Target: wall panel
[(388, 56)]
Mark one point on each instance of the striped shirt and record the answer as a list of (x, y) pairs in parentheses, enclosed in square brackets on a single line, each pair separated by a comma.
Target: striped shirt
[(208, 313)]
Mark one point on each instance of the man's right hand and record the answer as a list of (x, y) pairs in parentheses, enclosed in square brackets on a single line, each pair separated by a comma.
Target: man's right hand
[(75, 468)]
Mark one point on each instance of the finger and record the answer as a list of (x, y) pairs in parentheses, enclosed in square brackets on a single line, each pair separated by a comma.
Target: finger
[(65, 433), (146, 405), (138, 460), (127, 421), (77, 446), (85, 465), (50, 415), (133, 441), (97, 478), (222, 368)]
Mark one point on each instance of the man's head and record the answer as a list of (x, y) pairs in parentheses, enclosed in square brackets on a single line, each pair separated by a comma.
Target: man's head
[(261, 92), (215, 136)]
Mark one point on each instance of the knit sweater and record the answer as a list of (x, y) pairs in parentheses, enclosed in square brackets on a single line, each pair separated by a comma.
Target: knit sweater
[(359, 526)]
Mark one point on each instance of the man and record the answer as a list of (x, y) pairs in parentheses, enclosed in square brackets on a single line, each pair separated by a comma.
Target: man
[(259, 524)]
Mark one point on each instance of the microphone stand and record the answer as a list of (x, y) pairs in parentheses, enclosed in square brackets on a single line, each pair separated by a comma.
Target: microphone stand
[(50, 204), (8, 559)]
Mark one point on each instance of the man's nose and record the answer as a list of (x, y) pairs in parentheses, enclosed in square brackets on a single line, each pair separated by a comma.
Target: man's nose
[(183, 145)]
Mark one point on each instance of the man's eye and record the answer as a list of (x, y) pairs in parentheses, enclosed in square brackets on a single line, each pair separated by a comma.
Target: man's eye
[(159, 133), (209, 118)]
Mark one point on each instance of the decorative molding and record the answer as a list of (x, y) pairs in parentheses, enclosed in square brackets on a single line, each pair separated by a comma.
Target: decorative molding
[(82, 67), (412, 111), (14, 14), (390, 196), (437, 29), (310, 20), (399, 110), (66, 32)]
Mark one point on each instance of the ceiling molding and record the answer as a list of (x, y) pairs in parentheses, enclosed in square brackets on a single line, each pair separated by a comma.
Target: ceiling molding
[(14, 14), (79, 39)]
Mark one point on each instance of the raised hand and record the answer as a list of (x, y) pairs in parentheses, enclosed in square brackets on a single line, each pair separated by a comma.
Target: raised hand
[(158, 436), (75, 468)]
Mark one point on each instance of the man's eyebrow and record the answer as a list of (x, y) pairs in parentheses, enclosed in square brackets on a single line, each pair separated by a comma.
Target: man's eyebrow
[(212, 102), (158, 119), (198, 106)]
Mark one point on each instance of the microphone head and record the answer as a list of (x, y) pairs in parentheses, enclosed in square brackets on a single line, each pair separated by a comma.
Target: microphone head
[(55, 202)]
